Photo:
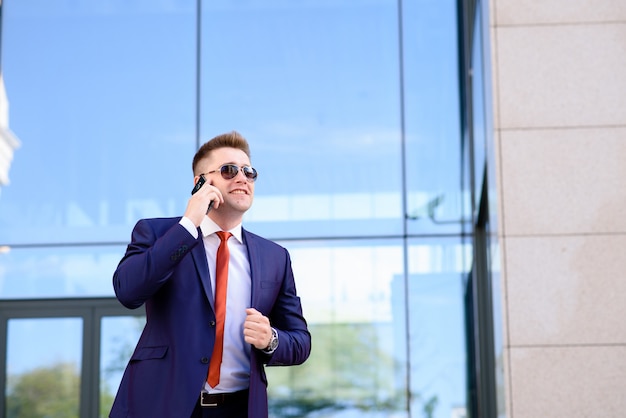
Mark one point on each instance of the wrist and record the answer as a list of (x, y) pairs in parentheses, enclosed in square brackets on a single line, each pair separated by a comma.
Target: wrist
[(273, 343)]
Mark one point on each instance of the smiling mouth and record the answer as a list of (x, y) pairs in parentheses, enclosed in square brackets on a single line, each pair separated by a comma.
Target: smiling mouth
[(239, 191)]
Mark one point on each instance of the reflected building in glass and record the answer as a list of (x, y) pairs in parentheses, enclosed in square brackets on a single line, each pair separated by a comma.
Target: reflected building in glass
[(8, 141)]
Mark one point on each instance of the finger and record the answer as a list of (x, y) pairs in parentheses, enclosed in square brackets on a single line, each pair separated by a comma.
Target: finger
[(259, 338), (217, 197), (252, 311), (256, 322), (213, 197), (256, 316), (253, 334)]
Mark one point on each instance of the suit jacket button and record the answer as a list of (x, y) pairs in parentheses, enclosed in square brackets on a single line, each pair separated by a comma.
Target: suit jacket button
[(212, 323), (204, 360)]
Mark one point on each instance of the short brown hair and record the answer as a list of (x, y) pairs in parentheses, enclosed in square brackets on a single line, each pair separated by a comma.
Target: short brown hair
[(229, 140)]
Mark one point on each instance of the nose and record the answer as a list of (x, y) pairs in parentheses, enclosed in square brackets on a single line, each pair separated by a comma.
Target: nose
[(240, 176)]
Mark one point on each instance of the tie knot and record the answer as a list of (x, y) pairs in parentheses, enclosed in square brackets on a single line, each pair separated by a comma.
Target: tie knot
[(224, 235)]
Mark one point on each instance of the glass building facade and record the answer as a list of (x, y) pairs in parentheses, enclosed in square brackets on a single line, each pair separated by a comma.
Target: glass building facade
[(366, 121)]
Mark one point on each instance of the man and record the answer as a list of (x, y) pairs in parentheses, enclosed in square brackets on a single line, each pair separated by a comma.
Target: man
[(171, 265)]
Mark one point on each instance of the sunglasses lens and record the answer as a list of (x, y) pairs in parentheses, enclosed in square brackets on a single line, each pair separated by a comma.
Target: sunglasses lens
[(229, 171), (250, 173)]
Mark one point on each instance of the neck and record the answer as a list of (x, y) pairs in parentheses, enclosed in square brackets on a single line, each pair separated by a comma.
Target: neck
[(225, 222)]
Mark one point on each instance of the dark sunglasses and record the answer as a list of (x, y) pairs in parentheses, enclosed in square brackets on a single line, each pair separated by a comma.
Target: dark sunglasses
[(230, 171)]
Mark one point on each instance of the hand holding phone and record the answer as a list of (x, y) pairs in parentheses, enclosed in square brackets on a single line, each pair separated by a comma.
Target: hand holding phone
[(197, 187)]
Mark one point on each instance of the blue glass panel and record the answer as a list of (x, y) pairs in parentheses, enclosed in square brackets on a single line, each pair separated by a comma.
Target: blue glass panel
[(438, 362), (102, 99), (117, 342), (53, 272), (433, 132), (314, 86), (43, 370)]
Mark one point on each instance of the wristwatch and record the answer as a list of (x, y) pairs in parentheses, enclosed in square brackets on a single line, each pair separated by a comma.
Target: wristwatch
[(271, 347)]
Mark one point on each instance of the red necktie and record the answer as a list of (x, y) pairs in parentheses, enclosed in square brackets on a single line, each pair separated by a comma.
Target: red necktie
[(221, 282)]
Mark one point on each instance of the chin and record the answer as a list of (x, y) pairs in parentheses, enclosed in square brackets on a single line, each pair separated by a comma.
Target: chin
[(242, 205)]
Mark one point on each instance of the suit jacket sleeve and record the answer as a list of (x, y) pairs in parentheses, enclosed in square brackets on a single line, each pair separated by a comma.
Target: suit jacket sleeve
[(155, 250), (275, 295)]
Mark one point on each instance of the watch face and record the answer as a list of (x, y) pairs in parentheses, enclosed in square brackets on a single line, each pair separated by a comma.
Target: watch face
[(273, 341)]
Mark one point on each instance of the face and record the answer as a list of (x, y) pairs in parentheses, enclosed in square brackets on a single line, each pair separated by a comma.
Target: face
[(238, 192)]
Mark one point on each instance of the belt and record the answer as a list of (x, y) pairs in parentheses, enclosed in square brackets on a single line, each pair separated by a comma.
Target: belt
[(217, 399)]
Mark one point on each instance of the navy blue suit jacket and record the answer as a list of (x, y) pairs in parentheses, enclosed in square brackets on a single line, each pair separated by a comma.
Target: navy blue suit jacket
[(165, 268)]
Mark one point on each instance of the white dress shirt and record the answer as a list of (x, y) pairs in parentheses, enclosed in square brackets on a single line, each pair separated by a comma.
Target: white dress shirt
[(235, 369)]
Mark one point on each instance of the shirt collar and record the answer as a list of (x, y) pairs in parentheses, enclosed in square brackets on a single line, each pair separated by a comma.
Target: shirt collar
[(209, 227)]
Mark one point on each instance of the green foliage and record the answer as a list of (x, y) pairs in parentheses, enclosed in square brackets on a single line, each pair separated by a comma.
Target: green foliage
[(352, 366), (50, 392), (106, 399), (430, 406)]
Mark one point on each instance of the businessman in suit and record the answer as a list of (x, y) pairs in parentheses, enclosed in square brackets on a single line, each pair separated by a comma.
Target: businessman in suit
[(184, 365)]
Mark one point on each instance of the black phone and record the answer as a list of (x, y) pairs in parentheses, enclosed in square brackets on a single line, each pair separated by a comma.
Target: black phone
[(199, 184), (197, 187)]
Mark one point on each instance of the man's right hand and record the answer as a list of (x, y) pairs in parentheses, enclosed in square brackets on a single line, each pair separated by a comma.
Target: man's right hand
[(198, 204)]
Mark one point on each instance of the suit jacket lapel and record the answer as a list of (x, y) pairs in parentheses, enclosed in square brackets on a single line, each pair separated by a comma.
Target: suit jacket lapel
[(254, 257), (202, 267)]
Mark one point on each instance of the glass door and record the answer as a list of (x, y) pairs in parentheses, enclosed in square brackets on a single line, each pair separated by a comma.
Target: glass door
[(64, 357)]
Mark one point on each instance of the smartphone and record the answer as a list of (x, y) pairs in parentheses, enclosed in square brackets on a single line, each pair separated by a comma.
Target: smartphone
[(197, 187), (199, 184)]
